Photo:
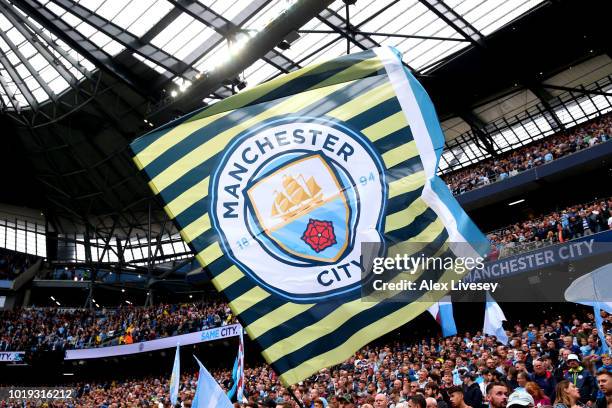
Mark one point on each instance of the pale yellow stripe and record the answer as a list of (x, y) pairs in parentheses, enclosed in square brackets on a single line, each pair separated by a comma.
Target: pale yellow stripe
[(216, 144), (182, 131), (276, 318), (363, 102), (359, 338), (227, 277), (196, 228), (338, 316), (173, 137), (399, 154), (250, 298), (314, 331), (189, 197), (406, 184), (386, 126), (419, 241), (210, 254), (362, 68), (405, 216)]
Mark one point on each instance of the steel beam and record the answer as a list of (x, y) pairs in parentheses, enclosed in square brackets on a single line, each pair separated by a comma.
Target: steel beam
[(333, 20), (83, 45), (298, 15), (478, 127), (455, 20), (583, 91), (8, 12), (370, 34), (18, 81), (544, 97), (10, 95), (129, 40), (227, 28), (33, 71)]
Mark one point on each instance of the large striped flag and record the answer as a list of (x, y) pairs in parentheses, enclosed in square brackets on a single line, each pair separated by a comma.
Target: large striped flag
[(276, 189)]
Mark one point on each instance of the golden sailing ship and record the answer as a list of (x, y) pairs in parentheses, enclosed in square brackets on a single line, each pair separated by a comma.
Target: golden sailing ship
[(297, 195)]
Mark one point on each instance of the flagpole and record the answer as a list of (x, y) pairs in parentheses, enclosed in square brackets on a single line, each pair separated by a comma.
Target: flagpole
[(259, 349), (295, 398)]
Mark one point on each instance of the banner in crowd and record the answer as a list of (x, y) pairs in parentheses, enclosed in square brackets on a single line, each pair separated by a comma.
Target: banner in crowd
[(276, 189), (11, 356), (543, 257), (203, 336)]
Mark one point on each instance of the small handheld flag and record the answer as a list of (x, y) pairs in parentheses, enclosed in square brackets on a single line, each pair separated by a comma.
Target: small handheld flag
[(240, 370), (208, 392), (493, 321), (442, 311), (277, 188), (176, 377)]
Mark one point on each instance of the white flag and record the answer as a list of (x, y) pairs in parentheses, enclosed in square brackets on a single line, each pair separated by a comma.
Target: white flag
[(494, 317)]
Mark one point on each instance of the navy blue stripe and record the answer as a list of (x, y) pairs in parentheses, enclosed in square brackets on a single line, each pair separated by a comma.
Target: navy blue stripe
[(264, 307), (402, 201), (145, 140), (403, 169), (238, 288), (204, 240), (428, 250), (319, 311), (201, 136), (420, 223), (342, 96), (375, 114), (204, 169), (219, 265), (395, 139), (160, 163), (296, 85), (193, 212), (308, 81), (338, 336), (293, 86)]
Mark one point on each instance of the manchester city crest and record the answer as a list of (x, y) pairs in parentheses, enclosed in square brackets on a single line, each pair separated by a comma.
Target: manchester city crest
[(293, 201)]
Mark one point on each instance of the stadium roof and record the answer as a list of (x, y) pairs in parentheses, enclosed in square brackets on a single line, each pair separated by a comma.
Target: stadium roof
[(183, 40), (127, 66)]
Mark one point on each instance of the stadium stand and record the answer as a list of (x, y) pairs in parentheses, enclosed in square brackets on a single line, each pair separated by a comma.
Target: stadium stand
[(39, 329), (555, 227), (58, 329), (540, 353), (121, 116), (535, 154), (12, 264)]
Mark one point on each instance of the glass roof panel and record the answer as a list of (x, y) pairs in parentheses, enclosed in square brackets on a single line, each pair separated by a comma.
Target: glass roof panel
[(185, 34), (228, 9), (258, 73)]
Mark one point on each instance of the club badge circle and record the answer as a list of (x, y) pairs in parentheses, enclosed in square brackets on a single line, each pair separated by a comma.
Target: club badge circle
[(293, 200)]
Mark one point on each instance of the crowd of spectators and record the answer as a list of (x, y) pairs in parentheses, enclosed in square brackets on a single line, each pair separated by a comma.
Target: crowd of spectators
[(556, 227), (12, 264), (40, 329), (583, 136), (550, 362)]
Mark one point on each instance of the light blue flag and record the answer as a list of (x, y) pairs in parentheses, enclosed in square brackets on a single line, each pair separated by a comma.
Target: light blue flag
[(597, 307), (593, 289), (232, 391), (176, 377), (208, 392)]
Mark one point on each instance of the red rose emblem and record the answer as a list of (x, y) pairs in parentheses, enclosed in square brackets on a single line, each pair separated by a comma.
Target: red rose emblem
[(319, 234)]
